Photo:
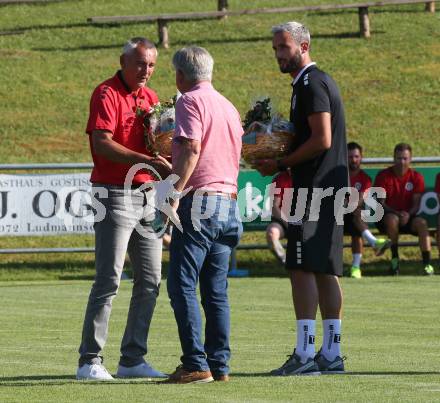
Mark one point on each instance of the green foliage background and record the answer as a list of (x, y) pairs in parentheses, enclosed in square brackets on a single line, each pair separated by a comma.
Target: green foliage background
[(52, 59)]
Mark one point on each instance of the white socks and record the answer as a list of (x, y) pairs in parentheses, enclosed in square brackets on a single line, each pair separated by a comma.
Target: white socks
[(305, 339), (369, 237), (357, 258), (331, 343)]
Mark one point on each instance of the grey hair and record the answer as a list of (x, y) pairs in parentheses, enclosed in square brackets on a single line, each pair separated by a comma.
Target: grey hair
[(298, 31), (195, 63), (133, 43)]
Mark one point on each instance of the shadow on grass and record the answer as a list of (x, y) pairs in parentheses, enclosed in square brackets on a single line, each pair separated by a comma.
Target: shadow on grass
[(22, 30), (263, 270), (36, 3), (372, 10), (66, 270), (260, 268), (36, 378), (356, 373), (265, 38), (58, 380), (80, 48), (41, 380), (411, 267)]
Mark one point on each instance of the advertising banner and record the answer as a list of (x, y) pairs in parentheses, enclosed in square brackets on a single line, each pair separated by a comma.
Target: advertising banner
[(45, 204), (54, 204)]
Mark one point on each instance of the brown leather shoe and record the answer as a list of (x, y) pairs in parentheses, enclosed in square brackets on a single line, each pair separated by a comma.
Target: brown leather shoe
[(181, 375), (221, 378)]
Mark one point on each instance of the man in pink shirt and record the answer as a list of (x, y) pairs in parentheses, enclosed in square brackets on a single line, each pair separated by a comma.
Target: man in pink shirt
[(206, 153)]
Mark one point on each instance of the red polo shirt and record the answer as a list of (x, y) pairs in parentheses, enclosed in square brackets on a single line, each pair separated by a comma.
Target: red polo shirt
[(113, 108), (361, 182), (282, 181), (400, 190)]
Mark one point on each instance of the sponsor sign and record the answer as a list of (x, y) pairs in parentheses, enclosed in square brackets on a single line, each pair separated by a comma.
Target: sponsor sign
[(255, 204), (45, 204), (53, 204)]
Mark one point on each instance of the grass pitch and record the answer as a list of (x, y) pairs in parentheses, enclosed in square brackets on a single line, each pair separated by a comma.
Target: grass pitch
[(390, 338), (52, 60)]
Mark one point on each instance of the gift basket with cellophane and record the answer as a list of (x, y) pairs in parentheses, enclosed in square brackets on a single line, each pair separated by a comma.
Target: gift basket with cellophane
[(267, 135), (161, 122)]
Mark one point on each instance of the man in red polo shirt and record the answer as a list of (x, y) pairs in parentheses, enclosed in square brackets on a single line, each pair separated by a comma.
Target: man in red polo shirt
[(404, 188), (116, 128), (353, 223), (437, 190)]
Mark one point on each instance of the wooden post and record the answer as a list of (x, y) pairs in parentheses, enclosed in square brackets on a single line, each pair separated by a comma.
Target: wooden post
[(364, 22), (162, 28), (430, 6), (222, 5)]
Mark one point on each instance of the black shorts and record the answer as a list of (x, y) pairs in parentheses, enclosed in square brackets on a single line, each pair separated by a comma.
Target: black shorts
[(350, 227), (316, 246), (405, 229)]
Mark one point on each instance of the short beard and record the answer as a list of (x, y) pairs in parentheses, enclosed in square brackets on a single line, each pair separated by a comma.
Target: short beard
[(294, 64), (353, 167)]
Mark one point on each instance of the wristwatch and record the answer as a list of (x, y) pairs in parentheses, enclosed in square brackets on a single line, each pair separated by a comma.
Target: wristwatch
[(280, 166)]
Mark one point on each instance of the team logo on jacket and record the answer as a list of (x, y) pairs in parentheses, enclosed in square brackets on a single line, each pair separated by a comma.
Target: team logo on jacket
[(409, 186)]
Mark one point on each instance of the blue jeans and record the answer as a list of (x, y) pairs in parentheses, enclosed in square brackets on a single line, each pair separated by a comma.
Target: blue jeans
[(201, 252)]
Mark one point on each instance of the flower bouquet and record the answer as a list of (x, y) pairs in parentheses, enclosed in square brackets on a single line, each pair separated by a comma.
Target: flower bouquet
[(159, 123), (267, 135)]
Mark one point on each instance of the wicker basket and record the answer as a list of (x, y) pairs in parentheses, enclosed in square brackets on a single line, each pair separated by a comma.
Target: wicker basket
[(162, 143), (266, 146)]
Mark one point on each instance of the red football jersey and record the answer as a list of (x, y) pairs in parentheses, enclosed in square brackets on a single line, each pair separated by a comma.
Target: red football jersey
[(113, 108), (437, 184), (282, 181), (361, 181), (400, 190)]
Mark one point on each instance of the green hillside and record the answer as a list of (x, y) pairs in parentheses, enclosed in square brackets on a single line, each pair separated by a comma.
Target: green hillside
[(52, 60)]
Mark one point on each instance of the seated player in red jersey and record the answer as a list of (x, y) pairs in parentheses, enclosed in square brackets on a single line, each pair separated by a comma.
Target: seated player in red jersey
[(353, 223), (277, 229), (437, 190), (404, 188)]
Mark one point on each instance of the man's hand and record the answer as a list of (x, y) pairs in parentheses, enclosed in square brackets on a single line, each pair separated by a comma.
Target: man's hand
[(172, 213), (266, 167), (162, 166)]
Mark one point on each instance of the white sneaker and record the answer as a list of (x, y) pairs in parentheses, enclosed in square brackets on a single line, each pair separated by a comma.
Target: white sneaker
[(142, 370), (94, 372)]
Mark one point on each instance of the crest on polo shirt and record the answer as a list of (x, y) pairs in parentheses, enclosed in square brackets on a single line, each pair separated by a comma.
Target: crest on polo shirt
[(306, 79), (358, 186), (293, 102), (409, 186)]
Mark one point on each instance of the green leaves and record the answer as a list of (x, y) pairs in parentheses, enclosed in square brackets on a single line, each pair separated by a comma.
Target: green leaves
[(261, 112)]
